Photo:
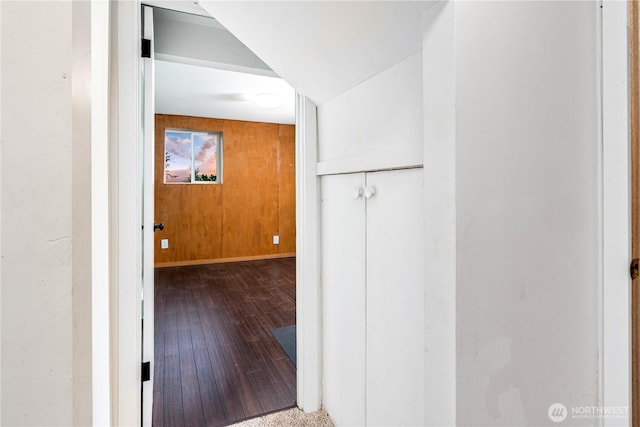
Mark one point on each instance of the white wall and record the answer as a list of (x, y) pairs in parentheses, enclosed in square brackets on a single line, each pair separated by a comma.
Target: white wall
[(616, 345), (81, 198), (528, 210), (100, 217), (379, 114), (438, 53), (376, 124), (45, 264), (36, 214)]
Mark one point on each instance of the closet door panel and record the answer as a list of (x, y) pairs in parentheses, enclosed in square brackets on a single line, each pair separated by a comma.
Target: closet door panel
[(343, 298), (395, 295)]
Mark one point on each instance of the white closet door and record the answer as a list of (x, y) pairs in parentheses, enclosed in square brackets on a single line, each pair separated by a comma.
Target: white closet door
[(395, 294), (343, 298)]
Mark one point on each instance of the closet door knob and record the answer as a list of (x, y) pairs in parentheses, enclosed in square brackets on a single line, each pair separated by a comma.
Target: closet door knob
[(357, 192), (369, 192)]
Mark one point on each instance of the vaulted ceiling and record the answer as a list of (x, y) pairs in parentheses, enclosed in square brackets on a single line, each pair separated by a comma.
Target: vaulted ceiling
[(323, 48)]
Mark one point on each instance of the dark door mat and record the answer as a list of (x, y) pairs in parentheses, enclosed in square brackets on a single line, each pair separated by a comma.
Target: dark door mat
[(286, 337)]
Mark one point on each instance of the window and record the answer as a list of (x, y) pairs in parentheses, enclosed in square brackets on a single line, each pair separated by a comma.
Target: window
[(192, 157)]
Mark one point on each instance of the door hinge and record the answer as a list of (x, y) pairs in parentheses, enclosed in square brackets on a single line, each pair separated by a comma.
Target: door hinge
[(634, 269), (146, 48), (146, 371)]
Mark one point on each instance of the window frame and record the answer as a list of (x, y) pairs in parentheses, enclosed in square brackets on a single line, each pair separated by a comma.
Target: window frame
[(219, 155)]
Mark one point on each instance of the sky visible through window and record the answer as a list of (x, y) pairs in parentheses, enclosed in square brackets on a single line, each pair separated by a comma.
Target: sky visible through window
[(191, 156)]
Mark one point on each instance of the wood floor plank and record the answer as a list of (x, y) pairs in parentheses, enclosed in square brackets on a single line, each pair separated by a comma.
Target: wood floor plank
[(217, 361), (192, 406), (197, 335), (157, 412), (159, 333), (228, 381), (172, 402), (242, 382), (213, 409)]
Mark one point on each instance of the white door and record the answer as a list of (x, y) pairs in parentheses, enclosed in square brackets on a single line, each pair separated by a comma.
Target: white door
[(147, 87), (373, 298), (395, 298), (343, 297)]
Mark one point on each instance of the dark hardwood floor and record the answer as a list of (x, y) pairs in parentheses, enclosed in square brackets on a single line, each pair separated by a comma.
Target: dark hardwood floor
[(216, 360)]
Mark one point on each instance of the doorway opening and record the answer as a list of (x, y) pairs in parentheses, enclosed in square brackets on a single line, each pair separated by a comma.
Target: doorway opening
[(225, 258)]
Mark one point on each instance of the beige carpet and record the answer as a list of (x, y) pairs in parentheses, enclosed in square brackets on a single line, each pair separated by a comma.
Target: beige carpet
[(290, 417)]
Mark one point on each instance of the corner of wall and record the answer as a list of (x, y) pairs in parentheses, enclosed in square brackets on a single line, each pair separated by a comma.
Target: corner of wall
[(440, 214)]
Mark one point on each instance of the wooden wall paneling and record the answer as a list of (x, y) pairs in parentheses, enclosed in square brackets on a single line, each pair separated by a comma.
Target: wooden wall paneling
[(192, 214), (287, 189), (158, 202), (194, 224), (238, 218), (634, 87), (250, 205)]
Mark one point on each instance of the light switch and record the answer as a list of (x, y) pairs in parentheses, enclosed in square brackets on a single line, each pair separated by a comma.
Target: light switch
[(164, 244)]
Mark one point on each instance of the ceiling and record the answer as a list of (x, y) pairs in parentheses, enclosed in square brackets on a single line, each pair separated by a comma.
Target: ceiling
[(202, 70), (324, 48), (187, 6), (190, 90)]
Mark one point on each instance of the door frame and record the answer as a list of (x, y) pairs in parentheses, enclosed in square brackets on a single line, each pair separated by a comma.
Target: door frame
[(148, 211), (308, 296), (616, 314), (126, 212), (634, 126)]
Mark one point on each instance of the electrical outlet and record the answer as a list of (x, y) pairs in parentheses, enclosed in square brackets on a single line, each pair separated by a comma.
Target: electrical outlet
[(164, 244), (276, 240)]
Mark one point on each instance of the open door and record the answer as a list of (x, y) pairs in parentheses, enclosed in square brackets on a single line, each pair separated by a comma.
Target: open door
[(148, 225)]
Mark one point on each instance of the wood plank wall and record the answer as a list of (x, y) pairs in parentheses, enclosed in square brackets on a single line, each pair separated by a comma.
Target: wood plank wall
[(238, 218)]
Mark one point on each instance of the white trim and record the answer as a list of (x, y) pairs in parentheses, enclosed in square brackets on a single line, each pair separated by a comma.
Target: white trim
[(148, 220), (439, 215), (100, 277), (400, 157), (0, 212), (126, 273), (616, 341), (307, 260)]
